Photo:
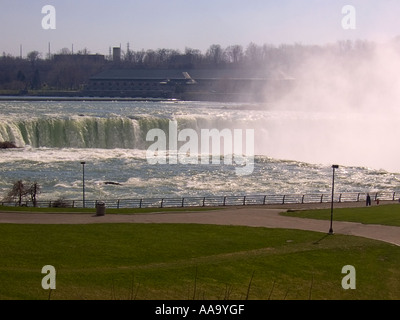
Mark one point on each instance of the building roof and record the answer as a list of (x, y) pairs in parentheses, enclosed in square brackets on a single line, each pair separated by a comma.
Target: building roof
[(78, 57), (179, 74)]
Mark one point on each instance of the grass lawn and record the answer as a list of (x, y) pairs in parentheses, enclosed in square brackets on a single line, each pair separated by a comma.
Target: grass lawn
[(188, 261), (382, 214)]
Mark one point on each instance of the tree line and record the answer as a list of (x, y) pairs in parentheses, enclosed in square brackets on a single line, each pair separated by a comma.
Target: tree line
[(36, 72)]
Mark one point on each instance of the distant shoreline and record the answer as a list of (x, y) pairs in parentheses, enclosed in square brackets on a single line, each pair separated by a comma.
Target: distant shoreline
[(58, 98)]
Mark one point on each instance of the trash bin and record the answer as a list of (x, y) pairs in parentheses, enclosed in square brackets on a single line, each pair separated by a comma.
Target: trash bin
[(100, 208)]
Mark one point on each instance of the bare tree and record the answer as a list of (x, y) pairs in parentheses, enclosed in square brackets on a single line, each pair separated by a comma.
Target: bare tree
[(20, 192), (65, 51), (150, 58), (33, 56), (235, 54), (193, 56), (138, 57), (215, 54), (17, 192), (85, 51), (254, 54), (33, 191)]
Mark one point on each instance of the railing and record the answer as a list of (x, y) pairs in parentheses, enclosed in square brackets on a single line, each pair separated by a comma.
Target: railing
[(213, 201)]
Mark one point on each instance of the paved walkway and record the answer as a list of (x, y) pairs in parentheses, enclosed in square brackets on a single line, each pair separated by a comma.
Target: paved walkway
[(265, 216)]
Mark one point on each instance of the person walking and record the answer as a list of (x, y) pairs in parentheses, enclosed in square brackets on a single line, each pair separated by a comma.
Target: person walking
[(368, 202)]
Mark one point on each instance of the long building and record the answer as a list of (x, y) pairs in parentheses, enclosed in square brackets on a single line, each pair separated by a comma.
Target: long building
[(81, 58), (196, 84)]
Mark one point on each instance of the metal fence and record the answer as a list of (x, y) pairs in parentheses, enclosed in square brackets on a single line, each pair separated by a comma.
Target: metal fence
[(213, 201)]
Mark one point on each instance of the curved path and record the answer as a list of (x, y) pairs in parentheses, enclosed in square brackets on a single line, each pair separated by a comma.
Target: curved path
[(266, 216)]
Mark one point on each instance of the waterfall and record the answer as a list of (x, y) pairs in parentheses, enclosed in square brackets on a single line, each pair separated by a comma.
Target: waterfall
[(93, 132)]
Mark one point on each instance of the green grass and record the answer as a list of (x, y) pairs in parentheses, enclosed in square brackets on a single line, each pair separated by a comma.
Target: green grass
[(187, 261), (383, 214)]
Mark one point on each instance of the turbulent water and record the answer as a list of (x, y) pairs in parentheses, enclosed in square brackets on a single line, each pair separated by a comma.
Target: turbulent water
[(294, 150)]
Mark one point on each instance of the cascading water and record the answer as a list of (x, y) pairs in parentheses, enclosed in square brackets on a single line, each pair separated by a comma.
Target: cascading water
[(74, 132), (111, 138), (98, 132)]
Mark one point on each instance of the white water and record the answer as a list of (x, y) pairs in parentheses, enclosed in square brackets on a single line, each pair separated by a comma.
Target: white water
[(110, 137)]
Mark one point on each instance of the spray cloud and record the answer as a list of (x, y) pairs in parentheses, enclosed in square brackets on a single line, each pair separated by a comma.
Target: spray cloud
[(344, 107)]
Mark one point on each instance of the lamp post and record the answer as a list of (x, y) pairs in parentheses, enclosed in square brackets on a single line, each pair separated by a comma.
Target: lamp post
[(83, 182), (335, 166)]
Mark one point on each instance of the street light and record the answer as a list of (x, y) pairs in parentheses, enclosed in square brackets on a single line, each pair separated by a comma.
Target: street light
[(335, 166), (83, 181)]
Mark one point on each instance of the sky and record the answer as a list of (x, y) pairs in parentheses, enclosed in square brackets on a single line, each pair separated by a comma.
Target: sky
[(176, 24)]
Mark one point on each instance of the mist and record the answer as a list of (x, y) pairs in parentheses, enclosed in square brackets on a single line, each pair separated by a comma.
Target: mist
[(343, 109)]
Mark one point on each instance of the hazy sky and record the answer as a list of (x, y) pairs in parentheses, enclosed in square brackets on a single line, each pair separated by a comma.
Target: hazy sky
[(176, 24)]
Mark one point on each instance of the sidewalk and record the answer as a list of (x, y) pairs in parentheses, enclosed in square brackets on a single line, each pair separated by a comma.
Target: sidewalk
[(257, 216)]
